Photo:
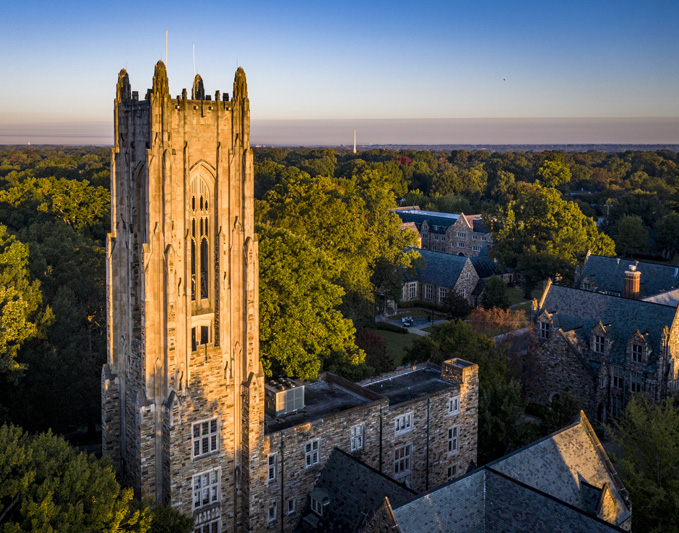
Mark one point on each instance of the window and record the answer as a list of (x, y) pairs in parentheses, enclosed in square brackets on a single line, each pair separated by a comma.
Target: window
[(460, 244), (637, 353), (199, 240), (429, 292), (272, 512), (452, 471), (454, 405), (453, 439), (206, 488), (436, 237), (273, 460), (475, 237), (636, 382), (402, 456), (291, 506), (316, 506), (461, 235), (443, 293), (403, 424), (311, 450), (205, 437), (483, 237), (586, 286), (357, 437), (476, 248), (598, 344), (463, 293), (412, 290), (544, 330), (443, 239), (208, 527), (617, 377)]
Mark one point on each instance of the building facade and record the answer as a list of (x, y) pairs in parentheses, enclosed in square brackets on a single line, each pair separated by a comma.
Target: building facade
[(602, 349), (456, 234), (183, 391), (435, 275)]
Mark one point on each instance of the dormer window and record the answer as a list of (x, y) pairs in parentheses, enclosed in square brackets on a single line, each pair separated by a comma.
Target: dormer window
[(637, 353), (544, 330), (598, 344)]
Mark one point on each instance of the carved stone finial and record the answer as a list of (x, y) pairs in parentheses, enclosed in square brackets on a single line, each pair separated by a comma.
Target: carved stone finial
[(160, 83), (198, 90), (240, 85), (123, 91)]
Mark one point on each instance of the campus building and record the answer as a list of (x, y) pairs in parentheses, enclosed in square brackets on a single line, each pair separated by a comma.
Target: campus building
[(187, 417)]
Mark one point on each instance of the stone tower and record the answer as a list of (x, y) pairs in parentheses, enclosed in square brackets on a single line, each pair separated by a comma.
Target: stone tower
[(182, 390)]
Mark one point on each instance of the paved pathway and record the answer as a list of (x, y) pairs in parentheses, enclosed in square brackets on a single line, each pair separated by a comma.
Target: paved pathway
[(416, 329)]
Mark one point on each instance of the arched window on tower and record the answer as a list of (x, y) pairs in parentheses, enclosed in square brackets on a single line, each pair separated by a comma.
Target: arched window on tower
[(201, 274)]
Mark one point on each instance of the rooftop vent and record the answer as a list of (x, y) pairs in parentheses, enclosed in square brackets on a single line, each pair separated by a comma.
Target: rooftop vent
[(284, 396)]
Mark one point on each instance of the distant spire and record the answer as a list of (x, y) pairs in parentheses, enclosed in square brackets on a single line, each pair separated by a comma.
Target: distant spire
[(354, 140)]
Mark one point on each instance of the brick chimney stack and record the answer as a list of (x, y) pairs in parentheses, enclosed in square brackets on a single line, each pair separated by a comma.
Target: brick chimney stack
[(632, 282)]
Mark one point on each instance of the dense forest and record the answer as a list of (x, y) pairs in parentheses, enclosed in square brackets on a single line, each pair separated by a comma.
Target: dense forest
[(330, 250)]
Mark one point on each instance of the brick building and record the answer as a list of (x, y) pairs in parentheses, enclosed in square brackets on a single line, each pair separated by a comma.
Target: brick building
[(457, 234), (601, 349), (183, 392), (436, 274)]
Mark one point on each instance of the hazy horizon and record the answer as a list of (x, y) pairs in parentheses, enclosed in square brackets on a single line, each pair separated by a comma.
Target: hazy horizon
[(465, 131)]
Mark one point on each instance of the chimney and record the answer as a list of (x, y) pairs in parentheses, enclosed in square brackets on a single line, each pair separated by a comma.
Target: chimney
[(632, 282)]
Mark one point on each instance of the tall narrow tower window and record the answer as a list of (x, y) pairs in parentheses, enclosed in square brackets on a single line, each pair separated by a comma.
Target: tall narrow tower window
[(200, 243)]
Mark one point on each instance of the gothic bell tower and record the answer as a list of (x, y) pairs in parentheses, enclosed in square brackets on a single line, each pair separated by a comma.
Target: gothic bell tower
[(182, 390)]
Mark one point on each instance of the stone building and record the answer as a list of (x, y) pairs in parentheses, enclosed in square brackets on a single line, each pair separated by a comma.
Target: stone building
[(183, 391), (457, 234), (563, 482), (602, 349), (435, 275)]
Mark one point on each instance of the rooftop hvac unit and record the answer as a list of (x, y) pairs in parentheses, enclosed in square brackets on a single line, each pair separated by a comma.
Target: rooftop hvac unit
[(284, 396)]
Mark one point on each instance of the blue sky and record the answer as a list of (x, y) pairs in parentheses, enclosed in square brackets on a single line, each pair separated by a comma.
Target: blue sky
[(349, 60)]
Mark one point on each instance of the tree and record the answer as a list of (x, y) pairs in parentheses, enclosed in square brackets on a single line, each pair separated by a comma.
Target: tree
[(46, 485), (648, 462), (300, 325), (377, 355), (495, 294), (554, 171), (456, 306), (166, 519), (546, 236), (496, 321), (631, 236), (21, 316), (667, 235)]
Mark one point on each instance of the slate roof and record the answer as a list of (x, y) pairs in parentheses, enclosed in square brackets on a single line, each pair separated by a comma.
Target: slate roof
[(551, 485), (439, 268), (445, 220), (355, 490), (485, 267), (575, 308), (665, 298), (609, 273)]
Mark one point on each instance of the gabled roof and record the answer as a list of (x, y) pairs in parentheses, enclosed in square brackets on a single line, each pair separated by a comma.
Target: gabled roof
[(432, 217), (439, 268), (609, 273), (485, 267), (573, 308), (355, 492), (554, 484)]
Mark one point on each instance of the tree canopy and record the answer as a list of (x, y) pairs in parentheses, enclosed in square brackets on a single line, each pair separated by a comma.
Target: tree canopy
[(45, 485), (546, 236)]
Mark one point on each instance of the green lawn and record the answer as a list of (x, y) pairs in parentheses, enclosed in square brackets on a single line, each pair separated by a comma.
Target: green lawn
[(396, 343), (516, 295)]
